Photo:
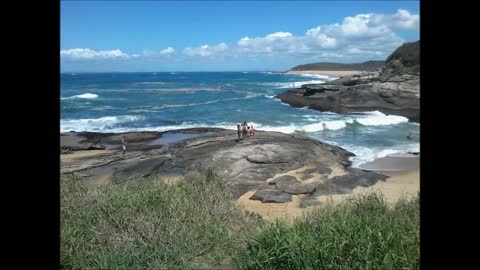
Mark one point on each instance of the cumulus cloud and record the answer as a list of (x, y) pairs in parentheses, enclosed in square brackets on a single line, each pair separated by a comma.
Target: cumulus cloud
[(405, 20), (164, 52), (363, 34), (92, 54), (167, 51), (206, 50), (368, 35)]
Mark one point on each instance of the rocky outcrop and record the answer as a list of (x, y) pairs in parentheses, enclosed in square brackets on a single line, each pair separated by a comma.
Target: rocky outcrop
[(244, 165), (393, 89), (271, 195)]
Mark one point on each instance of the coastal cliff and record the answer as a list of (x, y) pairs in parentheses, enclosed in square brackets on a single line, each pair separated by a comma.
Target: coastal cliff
[(392, 89)]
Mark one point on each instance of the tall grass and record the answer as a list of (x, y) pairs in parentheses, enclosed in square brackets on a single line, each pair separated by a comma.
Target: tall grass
[(150, 225), (361, 233)]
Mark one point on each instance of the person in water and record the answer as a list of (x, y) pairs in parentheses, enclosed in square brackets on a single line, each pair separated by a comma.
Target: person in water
[(124, 145), (409, 136)]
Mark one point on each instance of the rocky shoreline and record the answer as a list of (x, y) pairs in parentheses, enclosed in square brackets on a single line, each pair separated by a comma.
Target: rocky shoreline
[(393, 89), (273, 165)]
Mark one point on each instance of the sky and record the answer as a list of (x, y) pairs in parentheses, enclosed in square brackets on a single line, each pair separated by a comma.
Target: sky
[(124, 36)]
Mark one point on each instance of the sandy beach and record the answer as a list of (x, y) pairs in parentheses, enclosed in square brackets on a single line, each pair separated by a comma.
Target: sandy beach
[(331, 73), (404, 180)]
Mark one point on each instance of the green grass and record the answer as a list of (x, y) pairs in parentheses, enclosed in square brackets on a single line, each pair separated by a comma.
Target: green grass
[(150, 225), (146, 224), (362, 233)]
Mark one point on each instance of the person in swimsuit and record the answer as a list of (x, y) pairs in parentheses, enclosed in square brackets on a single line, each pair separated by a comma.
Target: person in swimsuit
[(251, 130), (239, 131), (244, 130), (124, 145)]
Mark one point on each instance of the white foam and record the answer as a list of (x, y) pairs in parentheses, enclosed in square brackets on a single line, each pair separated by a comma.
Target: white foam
[(95, 124), (86, 95), (322, 125), (377, 118), (366, 154), (104, 125), (325, 77), (292, 84)]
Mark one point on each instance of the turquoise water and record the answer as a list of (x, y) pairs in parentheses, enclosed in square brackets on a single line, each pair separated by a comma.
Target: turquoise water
[(120, 102)]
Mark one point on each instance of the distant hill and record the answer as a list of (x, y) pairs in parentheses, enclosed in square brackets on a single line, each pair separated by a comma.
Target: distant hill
[(365, 66)]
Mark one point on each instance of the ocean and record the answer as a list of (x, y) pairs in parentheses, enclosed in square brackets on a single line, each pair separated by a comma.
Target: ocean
[(159, 101)]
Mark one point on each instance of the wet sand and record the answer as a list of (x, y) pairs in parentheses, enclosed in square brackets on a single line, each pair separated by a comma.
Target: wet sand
[(393, 163)]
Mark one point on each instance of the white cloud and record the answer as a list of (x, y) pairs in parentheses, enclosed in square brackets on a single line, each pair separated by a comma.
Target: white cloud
[(167, 51), (206, 50), (362, 36), (405, 20), (91, 54)]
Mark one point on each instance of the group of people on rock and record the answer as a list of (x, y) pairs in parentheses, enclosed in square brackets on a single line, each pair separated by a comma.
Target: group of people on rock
[(244, 130)]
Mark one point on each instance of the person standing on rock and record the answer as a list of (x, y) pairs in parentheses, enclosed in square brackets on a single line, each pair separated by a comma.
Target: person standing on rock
[(244, 130), (239, 131), (124, 145), (251, 131)]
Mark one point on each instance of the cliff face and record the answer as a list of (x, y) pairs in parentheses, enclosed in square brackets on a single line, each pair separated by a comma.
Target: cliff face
[(392, 89)]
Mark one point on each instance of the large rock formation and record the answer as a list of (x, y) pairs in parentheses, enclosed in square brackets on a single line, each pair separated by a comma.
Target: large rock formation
[(393, 89), (244, 165)]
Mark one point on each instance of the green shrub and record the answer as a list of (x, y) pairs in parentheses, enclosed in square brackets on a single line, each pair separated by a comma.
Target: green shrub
[(362, 233)]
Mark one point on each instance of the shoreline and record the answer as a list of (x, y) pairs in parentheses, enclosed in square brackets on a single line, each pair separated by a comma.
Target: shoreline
[(330, 73)]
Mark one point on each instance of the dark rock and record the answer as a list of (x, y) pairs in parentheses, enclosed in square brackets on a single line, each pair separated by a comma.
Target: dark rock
[(329, 189), (395, 89), (291, 185), (310, 202), (309, 171), (271, 195), (66, 151), (355, 178), (96, 147), (306, 176)]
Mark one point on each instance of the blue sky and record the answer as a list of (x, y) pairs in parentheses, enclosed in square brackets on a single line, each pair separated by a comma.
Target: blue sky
[(216, 35)]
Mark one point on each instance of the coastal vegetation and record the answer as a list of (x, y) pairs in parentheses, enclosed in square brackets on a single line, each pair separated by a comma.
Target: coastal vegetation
[(148, 224), (365, 66)]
